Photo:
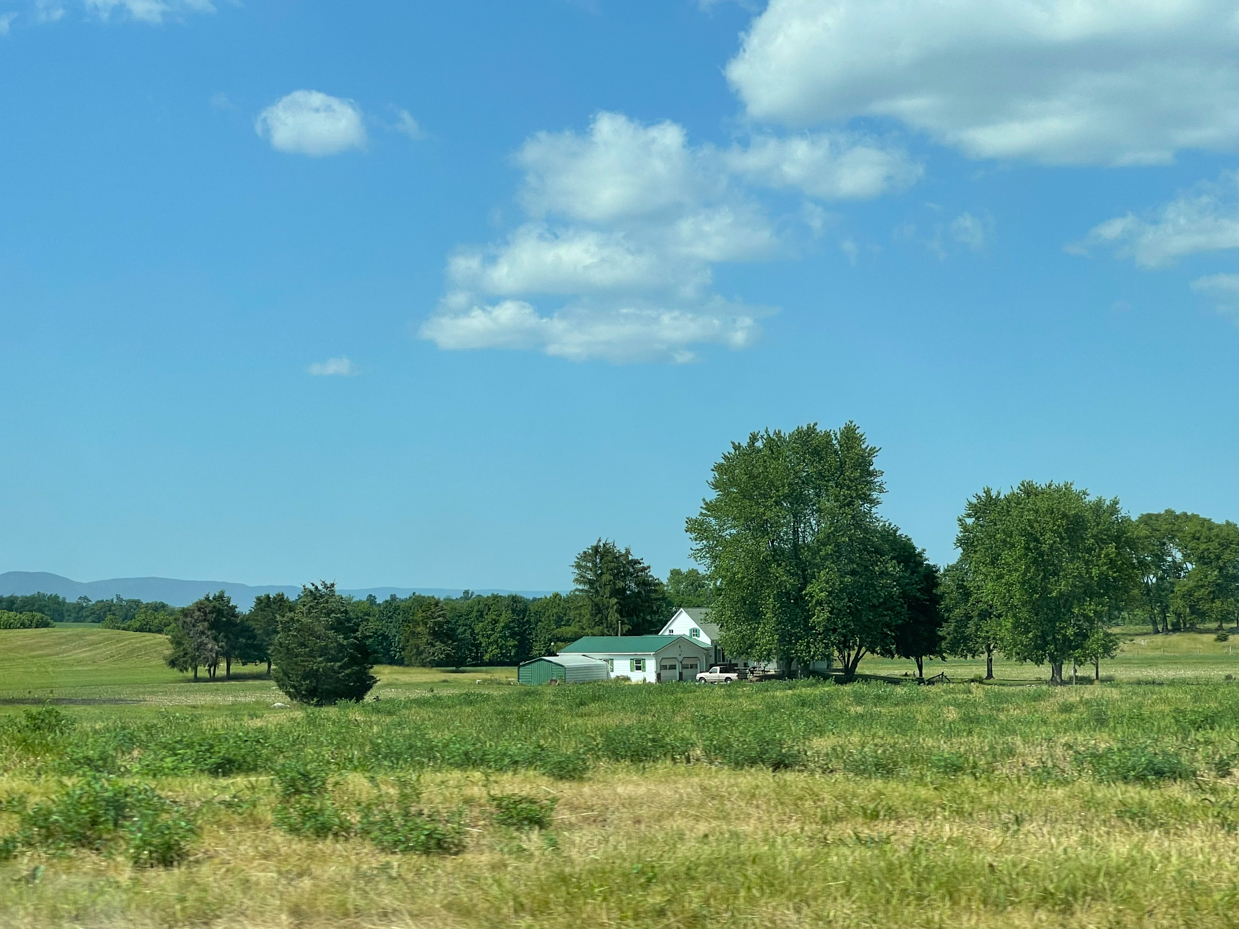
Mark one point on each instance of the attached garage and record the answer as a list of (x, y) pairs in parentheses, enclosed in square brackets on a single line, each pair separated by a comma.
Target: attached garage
[(567, 669)]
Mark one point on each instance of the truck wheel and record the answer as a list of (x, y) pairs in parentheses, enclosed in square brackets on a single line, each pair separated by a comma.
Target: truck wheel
[(726, 680)]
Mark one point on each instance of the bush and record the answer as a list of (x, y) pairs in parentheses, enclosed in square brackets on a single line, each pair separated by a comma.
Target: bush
[(562, 765), (160, 841), (99, 813), (518, 811), (1222, 636), (24, 620), (394, 827), (1136, 765), (305, 807), (319, 656)]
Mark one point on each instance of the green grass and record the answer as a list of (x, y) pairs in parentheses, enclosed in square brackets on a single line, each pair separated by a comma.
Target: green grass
[(791, 804)]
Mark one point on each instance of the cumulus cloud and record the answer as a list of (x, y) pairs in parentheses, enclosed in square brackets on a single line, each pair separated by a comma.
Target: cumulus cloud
[(625, 225), (307, 122), (618, 333), (149, 11), (839, 167), (1205, 219), (334, 367), (1056, 81)]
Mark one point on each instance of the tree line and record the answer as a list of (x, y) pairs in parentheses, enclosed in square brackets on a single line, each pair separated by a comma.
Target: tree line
[(804, 568), (117, 613)]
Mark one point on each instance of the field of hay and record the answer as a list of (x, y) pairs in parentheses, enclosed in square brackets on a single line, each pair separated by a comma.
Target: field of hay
[(459, 799)]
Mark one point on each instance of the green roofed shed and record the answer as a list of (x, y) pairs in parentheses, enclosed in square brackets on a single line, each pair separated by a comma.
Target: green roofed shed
[(568, 669)]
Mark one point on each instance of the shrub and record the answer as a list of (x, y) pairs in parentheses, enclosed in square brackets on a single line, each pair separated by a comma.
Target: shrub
[(305, 807), (24, 620), (1136, 765), (98, 813), (319, 656), (1222, 636), (393, 827), (518, 811), (160, 841), (562, 765)]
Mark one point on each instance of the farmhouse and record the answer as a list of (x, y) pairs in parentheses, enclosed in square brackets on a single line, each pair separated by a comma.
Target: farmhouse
[(650, 658), (694, 622)]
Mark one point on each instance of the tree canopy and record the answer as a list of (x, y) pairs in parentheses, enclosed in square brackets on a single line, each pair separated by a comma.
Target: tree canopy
[(319, 656), (1052, 563), (620, 593), (805, 568)]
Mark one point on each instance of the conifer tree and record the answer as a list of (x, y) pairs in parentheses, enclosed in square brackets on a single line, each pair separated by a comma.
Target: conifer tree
[(319, 656)]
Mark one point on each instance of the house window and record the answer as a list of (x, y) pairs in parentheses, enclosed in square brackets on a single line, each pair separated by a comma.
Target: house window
[(694, 633), (638, 664)]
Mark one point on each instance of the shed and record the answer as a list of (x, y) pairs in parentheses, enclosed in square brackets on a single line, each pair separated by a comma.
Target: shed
[(570, 669)]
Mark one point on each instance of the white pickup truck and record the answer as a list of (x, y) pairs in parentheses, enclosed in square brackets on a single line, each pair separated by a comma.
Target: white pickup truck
[(720, 674)]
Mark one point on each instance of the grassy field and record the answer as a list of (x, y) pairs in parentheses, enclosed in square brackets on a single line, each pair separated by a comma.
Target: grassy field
[(790, 804)]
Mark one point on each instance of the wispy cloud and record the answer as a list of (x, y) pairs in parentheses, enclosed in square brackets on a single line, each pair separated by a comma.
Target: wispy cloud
[(334, 367), (1205, 219)]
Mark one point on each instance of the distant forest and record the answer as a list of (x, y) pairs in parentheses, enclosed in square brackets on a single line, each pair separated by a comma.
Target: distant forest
[(496, 629)]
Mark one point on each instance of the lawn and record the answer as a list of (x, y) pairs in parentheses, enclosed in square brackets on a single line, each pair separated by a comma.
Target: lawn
[(790, 804)]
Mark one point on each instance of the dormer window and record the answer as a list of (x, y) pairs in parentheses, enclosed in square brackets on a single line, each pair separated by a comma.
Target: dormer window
[(694, 633)]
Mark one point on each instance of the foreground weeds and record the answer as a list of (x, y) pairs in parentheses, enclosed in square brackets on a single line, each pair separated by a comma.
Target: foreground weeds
[(790, 805)]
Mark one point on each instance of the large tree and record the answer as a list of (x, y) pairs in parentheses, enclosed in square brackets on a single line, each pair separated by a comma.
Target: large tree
[(621, 594), (804, 567), (971, 626), (1052, 562), (431, 638), (319, 656), (263, 619), (689, 588)]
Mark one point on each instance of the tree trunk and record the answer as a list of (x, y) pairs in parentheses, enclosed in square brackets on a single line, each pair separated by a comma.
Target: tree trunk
[(1056, 672), (268, 667), (989, 663), (1097, 670), (228, 668), (920, 668), (1073, 672), (195, 674)]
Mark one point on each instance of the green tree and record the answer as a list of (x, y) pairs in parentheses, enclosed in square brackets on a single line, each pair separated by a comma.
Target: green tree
[(193, 645), (1160, 564), (622, 594), (319, 656), (1051, 562), (1208, 593), (689, 588), (971, 627), (918, 632), (263, 619), (430, 639), (792, 538)]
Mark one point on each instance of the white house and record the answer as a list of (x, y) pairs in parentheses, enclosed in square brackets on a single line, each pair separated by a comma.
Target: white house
[(694, 622), (649, 658)]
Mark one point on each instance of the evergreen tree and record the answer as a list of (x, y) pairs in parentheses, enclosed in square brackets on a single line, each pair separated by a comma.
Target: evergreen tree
[(622, 595), (319, 656)]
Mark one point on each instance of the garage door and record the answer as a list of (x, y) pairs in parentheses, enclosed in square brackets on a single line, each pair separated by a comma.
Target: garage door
[(668, 670), (689, 668)]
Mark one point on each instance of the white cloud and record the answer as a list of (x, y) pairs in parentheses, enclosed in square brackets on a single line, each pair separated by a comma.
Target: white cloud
[(626, 223), (307, 122), (1057, 81), (970, 231), (616, 333), (149, 11), (334, 367), (48, 11), (407, 125), (6, 21), (839, 167), (1203, 220)]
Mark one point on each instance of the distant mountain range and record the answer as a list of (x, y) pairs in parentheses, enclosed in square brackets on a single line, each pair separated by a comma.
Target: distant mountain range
[(183, 593)]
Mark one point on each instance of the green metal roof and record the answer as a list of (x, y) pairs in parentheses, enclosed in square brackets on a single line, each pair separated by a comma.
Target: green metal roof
[(623, 644)]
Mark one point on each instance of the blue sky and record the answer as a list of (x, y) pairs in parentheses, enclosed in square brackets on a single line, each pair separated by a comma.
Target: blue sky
[(436, 294)]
